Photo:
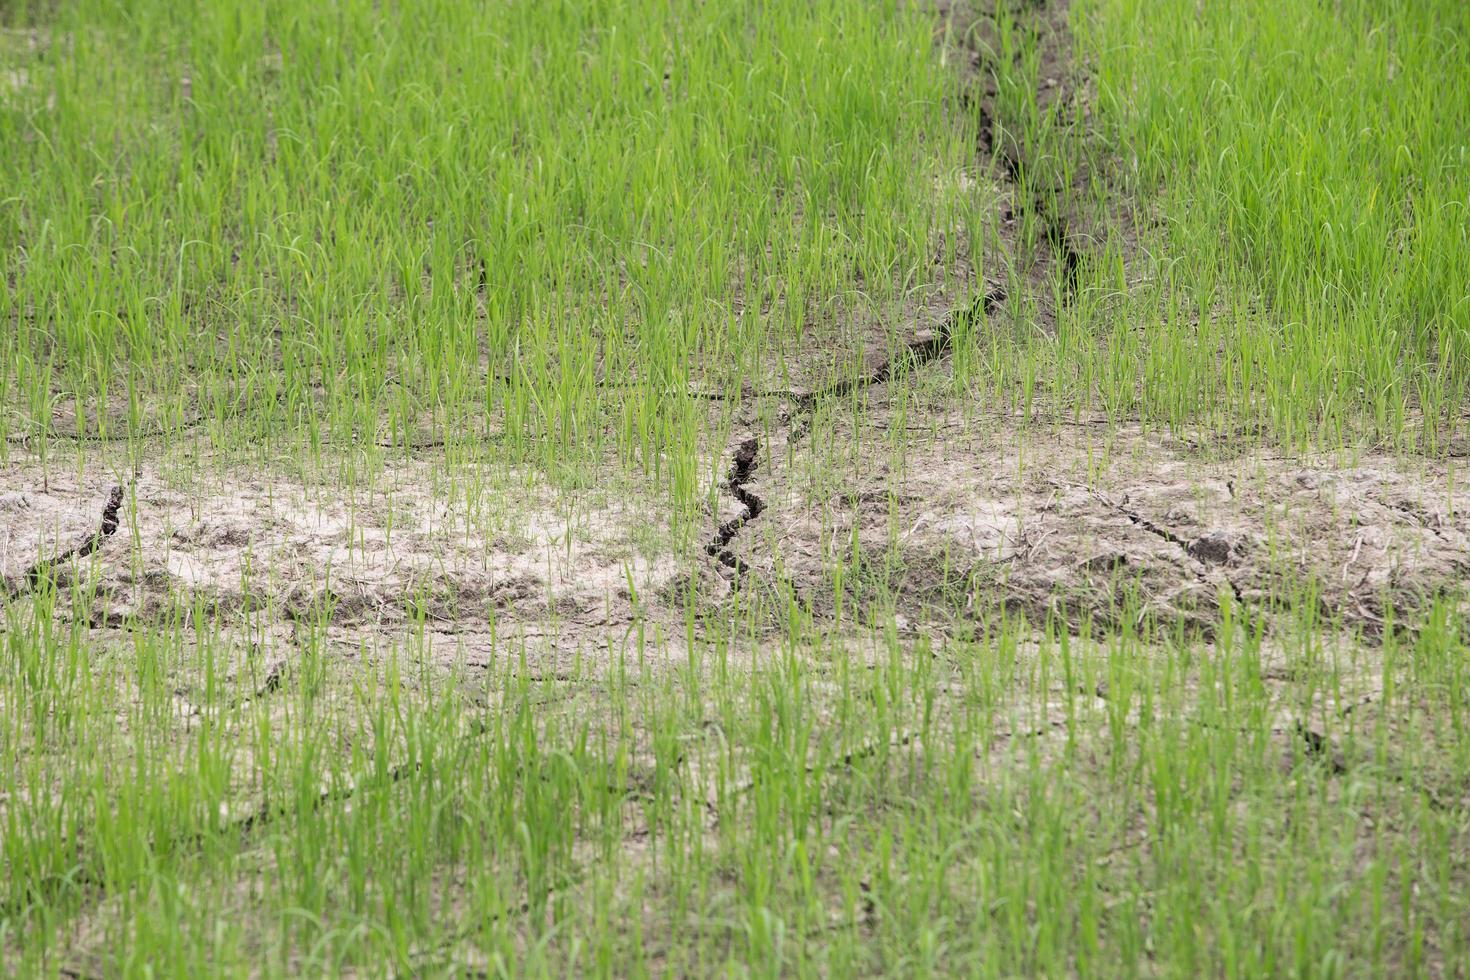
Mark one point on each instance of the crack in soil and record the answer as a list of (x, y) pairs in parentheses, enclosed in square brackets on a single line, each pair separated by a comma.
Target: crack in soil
[(32, 577), (51, 432), (1033, 196), (923, 348), (741, 468), (1143, 523), (1059, 237), (260, 816), (1040, 202)]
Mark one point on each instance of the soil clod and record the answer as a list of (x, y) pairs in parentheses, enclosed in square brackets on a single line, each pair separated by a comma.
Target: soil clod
[(1214, 548), (1320, 747)]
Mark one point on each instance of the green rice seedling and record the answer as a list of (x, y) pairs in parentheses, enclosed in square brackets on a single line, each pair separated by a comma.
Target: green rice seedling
[(1308, 170), (425, 341)]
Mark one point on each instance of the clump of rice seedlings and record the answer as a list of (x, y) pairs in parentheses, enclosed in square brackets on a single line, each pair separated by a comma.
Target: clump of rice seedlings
[(480, 302)]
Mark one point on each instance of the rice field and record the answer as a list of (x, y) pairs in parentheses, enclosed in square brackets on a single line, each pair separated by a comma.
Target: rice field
[(798, 487)]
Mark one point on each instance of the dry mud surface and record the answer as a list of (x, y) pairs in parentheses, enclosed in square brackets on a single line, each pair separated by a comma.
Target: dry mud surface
[(253, 546), (1069, 522), (511, 579)]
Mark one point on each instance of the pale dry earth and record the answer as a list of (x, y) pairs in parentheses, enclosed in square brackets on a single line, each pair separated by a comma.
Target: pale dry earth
[(968, 516)]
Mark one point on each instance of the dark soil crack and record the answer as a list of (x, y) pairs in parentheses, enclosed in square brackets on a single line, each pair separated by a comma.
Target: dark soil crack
[(1194, 552), (1059, 237), (1039, 201), (52, 433), (923, 348), (742, 466), (1010, 152), (43, 570), (1188, 547)]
